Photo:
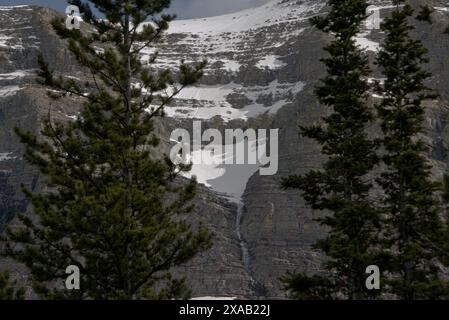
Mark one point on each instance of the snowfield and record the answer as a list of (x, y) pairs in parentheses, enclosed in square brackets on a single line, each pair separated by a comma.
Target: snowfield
[(274, 12), (5, 156), (207, 102), (227, 179)]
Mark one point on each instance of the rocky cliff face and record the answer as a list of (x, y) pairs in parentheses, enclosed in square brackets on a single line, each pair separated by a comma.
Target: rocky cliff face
[(263, 66)]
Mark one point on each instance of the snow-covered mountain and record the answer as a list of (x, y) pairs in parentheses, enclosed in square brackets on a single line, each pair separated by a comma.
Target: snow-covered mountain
[(249, 71), (245, 52), (263, 67), (254, 39)]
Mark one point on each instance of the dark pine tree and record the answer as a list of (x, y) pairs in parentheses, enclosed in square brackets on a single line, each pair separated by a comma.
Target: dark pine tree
[(114, 208), (412, 213), (425, 14), (342, 188), (7, 292)]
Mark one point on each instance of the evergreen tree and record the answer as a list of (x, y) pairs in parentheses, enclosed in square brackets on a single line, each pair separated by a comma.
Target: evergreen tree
[(7, 292), (303, 287), (425, 14), (342, 187), (113, 208), (412, 213)]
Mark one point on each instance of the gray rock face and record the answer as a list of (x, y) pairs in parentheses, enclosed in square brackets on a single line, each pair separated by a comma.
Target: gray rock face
[(263, 67), (279, 229), (25, 104)]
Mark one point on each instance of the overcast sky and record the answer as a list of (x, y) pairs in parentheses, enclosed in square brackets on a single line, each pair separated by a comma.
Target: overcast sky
[(182, 8)]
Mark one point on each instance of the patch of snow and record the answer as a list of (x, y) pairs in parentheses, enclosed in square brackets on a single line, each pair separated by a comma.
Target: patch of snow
[(206, 102), (73, 117), (445, 9), (14, 75), (226, 112), (5, 42), (214, 93), (381, 80), (6, 91), (205, 173), (271, 62), (227, 179), (231, 65), (256, 109), (365, 44), (6, 156), (15, 29), (9, 8)]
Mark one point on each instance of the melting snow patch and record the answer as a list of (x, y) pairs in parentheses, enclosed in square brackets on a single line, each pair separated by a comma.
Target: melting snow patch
[(205, 173), (9, 8), (214, 93), (6, 91), (226, 112), (206, 102), (6, 156), (14, 75), (227, 179), (231, 65), (445, 9), (73, 117), (270, 62), (366, 44), (380, 80), (5, 42)]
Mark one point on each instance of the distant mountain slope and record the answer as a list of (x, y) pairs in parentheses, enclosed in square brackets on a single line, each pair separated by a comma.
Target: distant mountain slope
[(263, 67)]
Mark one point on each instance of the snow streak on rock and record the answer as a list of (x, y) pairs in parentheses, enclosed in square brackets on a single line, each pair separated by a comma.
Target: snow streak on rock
[(18, 23)]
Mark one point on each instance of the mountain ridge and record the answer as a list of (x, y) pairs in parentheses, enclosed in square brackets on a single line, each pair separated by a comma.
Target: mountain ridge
[(257, 78)]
